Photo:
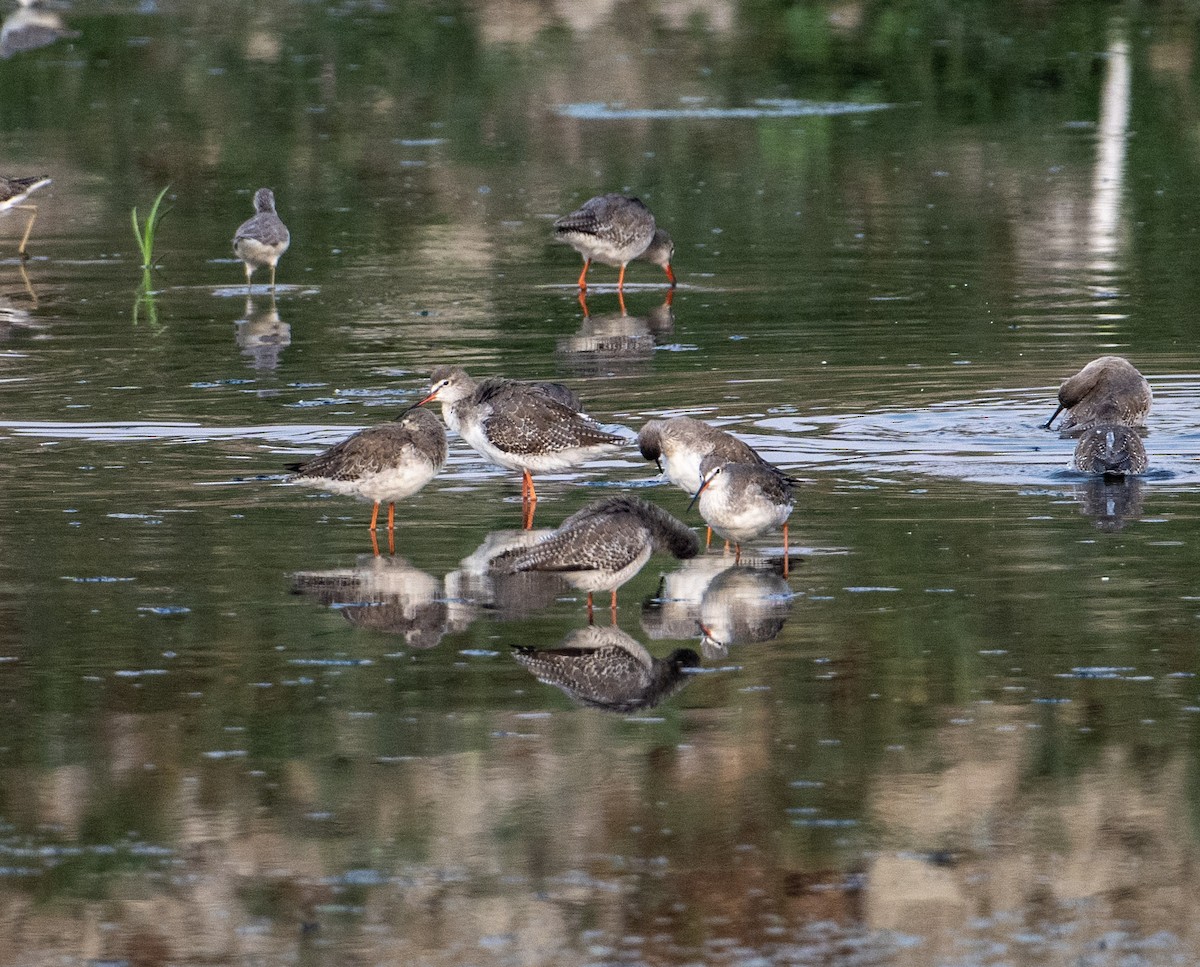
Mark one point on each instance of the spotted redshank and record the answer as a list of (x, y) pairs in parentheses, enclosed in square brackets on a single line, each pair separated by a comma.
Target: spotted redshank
[(381, 463), (531, 427), (603, 545), (615, 230), (679, 444), (1106, 390), (741, 501), (1110, 449), (261, 240), (13, 192), (608, 669)]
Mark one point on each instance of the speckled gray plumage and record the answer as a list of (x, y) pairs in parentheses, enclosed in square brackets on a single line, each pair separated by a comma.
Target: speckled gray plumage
[(614, 228), (742, 479), (415, 436), (607, 535), (1107, 390), (671, 437), (265, 226), (523, 419), (1110, 449), (15, 190), (607, 669)]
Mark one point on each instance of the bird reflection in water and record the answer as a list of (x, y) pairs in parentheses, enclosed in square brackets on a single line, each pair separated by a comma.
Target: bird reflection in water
[(616, 341), (262, 336), (606, 668), (384, 594), (475, 585), (32, 25), (1110, 501), (728, 604)]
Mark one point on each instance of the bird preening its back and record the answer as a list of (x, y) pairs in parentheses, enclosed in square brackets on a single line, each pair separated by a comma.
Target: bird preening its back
[(615, 229), (603, 545), (1107, 390)]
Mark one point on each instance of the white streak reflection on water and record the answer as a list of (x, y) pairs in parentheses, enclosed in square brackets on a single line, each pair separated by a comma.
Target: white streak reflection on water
[(997, 439)]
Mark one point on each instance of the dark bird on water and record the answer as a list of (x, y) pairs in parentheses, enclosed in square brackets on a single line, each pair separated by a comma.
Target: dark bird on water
[(1106, 390)]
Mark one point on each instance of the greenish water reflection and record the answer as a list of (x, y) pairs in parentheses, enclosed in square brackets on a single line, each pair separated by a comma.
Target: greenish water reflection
[(961, 731)]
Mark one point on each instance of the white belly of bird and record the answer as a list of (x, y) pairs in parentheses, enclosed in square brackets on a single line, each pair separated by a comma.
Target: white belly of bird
[(607, 580), (744, 522), (683, 468), (255, 252), (472, 432), (389, 485)]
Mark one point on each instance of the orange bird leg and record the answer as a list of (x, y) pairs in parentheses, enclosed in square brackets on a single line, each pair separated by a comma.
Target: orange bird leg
[(613, 606), (587, 264), (374, 517), (785, 549), (737, 553), (621, 278), (670, 297), (708, 538), (391, 517), (621, 301), (591, 616), (583, 302), (391, 541), (670, 274), (374, 543)]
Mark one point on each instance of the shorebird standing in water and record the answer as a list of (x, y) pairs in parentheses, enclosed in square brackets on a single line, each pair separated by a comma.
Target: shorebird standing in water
[(13, 192), (602, 546), (680, 444), (262, 240), (531, 427), (1107, 390), (381, 463), (740, 501), (615, 230)]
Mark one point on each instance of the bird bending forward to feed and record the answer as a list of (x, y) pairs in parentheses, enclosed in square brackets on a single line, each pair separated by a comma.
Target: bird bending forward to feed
[(381, 463), (13, 192), (615, 230), (531, 427), (262, 240)]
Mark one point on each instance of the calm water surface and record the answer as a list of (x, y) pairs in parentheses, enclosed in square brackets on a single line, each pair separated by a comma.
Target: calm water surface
[(962, 730)]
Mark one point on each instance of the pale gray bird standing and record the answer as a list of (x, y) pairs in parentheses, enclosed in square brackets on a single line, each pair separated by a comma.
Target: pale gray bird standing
[(615, 230), (261, 241)]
